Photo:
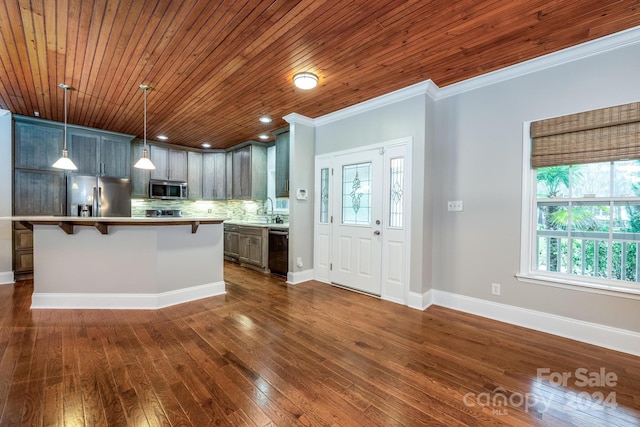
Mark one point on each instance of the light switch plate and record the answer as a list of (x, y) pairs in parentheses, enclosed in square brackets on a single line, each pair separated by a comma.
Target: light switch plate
[(454, 205)]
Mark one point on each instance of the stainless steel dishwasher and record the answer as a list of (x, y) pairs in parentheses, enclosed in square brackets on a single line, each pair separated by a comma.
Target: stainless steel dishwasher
[(279, 251)]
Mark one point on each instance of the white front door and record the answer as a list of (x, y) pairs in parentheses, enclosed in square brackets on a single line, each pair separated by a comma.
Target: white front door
[(362, 219), (357, 220)]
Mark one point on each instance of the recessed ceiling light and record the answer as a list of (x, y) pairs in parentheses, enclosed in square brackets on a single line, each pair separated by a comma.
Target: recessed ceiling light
[(205, 145), (163, 137), (305, 80), (265, 119), (263, 136)]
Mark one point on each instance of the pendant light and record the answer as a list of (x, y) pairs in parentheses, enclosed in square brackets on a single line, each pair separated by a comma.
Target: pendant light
[(65, 162), (145, 162)]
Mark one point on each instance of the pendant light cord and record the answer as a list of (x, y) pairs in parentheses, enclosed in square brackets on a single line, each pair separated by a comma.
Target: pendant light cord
[(65, 117), (145, 117)]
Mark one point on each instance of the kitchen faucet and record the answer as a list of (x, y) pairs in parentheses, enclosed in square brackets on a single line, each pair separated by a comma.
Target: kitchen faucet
[(269, 199)]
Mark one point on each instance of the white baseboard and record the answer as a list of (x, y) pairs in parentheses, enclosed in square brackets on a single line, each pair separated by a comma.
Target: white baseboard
[(295, 277), (419, 301), (6, 278), (592, 333), (127, 301)]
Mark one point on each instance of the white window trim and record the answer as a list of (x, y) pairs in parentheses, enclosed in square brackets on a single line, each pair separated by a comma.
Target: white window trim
[(527, 251)]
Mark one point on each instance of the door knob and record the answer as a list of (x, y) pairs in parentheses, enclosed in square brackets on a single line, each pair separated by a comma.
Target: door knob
[(377, 232)]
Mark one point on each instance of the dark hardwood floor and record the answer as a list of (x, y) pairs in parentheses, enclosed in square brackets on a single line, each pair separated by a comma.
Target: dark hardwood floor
[(312, 354)]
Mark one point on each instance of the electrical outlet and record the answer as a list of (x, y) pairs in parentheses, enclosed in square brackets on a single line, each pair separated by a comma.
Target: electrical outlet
[(209, 210), (495, 288), (454, 205), (299, 262)]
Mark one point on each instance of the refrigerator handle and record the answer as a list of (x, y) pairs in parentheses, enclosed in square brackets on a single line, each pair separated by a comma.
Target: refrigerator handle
[(99, 201), (96, 203)]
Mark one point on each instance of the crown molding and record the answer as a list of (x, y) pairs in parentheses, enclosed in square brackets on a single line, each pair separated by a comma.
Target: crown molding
[(570, 54), (426, 87), (299, 118)]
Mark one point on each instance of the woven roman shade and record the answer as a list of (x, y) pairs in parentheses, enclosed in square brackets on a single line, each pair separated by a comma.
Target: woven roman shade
[(607, 134)]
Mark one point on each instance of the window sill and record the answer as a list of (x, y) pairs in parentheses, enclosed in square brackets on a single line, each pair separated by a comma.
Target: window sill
[(602, 289)]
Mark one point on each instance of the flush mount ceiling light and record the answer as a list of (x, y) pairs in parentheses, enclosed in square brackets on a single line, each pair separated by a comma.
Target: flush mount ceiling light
[(65, 162), (163, 137), (205, 145), (145, 162), (265, 119), (305, 80), (263, 137)]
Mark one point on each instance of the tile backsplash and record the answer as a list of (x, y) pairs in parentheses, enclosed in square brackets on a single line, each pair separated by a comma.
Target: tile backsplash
[(240, 210)]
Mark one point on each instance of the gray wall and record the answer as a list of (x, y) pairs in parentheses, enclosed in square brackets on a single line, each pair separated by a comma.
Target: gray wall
[(479, 160), (6, 268), (412, 117), (301, 164)]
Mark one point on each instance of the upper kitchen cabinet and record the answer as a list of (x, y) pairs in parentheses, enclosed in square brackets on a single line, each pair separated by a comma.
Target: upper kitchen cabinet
[(214, 182), (194, 175), (38, 144), (171, 165), (100, 153), (139, 177), (282, 163), (249, 173)]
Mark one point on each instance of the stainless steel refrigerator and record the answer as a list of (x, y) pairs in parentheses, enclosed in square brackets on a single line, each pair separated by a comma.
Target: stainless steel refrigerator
[(90, 195)]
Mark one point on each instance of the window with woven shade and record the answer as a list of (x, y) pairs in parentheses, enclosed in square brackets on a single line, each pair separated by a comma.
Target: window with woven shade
[(607, 134), (584, 199)]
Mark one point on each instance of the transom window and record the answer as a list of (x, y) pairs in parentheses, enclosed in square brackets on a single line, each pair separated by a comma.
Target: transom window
[(588, 221)]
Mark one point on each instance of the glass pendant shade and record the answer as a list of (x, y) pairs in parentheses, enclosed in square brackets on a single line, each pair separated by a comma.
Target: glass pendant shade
[(65, 162), (145, 162)]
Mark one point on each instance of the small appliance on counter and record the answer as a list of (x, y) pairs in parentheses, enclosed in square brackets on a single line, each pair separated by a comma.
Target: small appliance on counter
[(163, 212), (90, 195)]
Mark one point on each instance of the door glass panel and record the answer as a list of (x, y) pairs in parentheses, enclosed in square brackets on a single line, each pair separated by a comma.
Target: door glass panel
[(324, 195), (396, 201), (356, 194)]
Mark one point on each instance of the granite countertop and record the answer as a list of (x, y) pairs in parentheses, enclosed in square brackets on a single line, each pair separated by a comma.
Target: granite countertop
[(258, 224), (112, 219)]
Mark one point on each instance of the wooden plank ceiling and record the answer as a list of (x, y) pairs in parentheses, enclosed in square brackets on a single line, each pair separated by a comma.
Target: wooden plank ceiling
[(216, 66)]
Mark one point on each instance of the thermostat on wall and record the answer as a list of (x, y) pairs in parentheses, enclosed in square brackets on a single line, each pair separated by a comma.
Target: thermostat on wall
[(301, 194)]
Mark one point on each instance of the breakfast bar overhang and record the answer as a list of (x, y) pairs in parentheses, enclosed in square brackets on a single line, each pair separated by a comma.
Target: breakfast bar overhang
[(124, 263)]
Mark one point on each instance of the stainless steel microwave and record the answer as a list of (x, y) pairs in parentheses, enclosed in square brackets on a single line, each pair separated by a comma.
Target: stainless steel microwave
[(159, 189)]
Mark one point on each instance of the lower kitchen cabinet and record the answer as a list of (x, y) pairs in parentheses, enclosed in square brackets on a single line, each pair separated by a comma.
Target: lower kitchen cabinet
[(22, 251), (247, 245), (231, 242)]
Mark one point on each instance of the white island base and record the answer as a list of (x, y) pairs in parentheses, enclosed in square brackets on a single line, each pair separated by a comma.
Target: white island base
[(126, 265)]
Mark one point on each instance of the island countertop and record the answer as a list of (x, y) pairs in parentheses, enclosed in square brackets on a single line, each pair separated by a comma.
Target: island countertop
[(67, 223)]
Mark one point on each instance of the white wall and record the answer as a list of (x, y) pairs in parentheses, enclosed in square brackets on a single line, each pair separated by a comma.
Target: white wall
[(407, 118), (479, 160), (6, 267)]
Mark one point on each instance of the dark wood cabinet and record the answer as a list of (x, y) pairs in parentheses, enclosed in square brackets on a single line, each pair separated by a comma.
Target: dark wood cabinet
[(37, 146), (39, 192), (282, 164), (194, 175), (139, 177), (253, 247), (22, 250), (214, 182), (249, 173), (231, 251), (101, 154), (171, 165)]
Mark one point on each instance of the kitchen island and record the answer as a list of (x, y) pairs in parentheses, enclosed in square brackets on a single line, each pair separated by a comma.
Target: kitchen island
[(124, 263)]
